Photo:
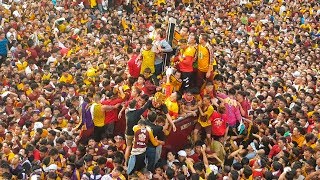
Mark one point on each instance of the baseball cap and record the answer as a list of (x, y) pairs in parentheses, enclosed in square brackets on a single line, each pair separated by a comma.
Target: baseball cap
[(182, 153)]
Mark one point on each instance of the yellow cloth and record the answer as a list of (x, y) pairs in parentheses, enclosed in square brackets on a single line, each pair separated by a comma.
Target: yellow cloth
[(93, 3), (62, 27), (46, 42), (43, 135), (63, 124), (68, 79), (28, 91), (92, 72), (20, 86), (10, 156), (22, 66), (173, 108), (148, 58), (208, 113), (208, 171), (203, 58), (190, 51), (159, 2), (46, 76), (124, 23), (175, 83), (299, 140), (98, 115)]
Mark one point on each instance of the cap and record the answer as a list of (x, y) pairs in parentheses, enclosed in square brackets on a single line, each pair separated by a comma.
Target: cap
[(53, 167), (38, 125), (296, 74), (182, 153), (214, 169)]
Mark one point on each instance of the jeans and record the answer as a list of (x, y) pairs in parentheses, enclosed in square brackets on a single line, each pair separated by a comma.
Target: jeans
[(158, 153), (158, 68), (109, 128), (136, 163), (151, 157), (100, 8)]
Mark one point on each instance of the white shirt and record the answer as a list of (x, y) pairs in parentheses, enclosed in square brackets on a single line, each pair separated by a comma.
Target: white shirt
[(51, 59), (28, 70)]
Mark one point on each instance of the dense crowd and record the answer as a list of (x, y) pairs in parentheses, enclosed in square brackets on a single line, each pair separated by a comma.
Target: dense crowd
[(247, 72)]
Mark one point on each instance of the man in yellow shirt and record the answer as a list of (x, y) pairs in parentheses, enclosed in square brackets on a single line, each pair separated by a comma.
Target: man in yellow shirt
[(62, 122), (98, 116), (148, 57), (66, 78), (7, 151), (206, 60), (297, 136), (206, 110)]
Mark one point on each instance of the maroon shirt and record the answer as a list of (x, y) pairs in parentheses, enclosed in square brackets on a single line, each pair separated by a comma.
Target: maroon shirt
[(246, 106), (141, 138)]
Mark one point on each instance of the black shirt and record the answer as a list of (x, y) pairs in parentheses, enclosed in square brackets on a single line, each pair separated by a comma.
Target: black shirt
[(157, 132), (161, 110), (133, 116)]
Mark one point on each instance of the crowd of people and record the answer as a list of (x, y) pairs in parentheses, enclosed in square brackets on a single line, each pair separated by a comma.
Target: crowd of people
[(246, 71)]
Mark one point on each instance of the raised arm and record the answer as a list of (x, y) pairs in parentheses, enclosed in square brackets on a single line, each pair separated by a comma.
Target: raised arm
[(166, 47), (171, 122)]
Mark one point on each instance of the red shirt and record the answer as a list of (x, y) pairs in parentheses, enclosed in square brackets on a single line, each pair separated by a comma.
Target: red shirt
[(34, 53), (134, 66), (112, 115), (257, 173), (72, 148), (245, 104), (219, 124), (186, 64), (274, 151), (195, 157), (36, 154), (33, 96)]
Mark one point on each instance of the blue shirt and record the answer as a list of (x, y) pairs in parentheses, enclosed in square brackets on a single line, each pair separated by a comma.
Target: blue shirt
[(3, 46)]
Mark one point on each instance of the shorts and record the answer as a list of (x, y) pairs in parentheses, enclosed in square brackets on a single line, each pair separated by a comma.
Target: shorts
[(129, 140), (207, 128)]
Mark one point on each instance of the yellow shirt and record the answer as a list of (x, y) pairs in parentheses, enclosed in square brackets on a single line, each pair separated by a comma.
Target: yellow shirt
[(63, 124), (148, 58), (159, 2), (20, 86), (43, 135), (98, 115), (173, 108), (207, 113), (28, 92), (67, 79), (190, 51), (92, 72), (46, 76), (299, 140), (10, 156), (124, 23), (21, 66), (203, 58), (93, 3), (62, 27), (175, 83)]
